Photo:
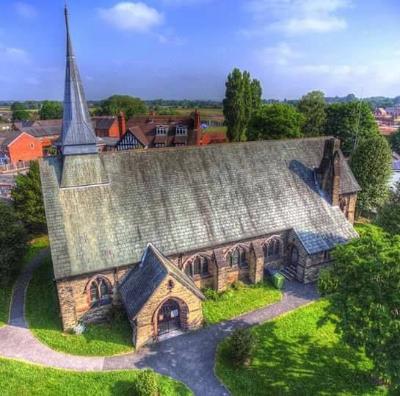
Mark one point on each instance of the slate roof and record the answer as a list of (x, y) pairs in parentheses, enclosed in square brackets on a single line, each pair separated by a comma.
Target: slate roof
[(348, 183), (185, 200), (142, 280)]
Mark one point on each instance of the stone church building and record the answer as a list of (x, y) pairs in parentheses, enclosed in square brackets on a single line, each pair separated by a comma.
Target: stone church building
[(149, 229)]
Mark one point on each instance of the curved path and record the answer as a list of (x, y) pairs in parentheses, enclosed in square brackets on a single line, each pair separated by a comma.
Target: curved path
[(189, 358)]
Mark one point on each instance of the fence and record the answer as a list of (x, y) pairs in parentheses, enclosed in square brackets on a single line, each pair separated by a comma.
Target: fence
[(9, 168)]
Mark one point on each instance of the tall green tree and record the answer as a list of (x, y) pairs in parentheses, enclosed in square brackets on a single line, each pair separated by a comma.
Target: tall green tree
[(28, 200), (350, 122), (363, 288), (371, 164), (20, 112), (256, 93), (389, 215), (13, 243), (395, 141), (50, 110), (130, 105), (276, 121), (242, 100), (312, 106), (234, 107)]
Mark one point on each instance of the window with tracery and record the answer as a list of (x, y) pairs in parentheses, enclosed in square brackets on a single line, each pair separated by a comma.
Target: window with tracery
[(273, 249), (237, 257), (100, 292), (198, 266)]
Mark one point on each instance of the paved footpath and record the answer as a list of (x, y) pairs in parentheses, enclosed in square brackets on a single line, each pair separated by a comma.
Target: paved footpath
[(189, 358)]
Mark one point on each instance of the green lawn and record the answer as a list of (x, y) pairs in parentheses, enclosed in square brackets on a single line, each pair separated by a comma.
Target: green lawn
[(5, 293), (25, 379), (43, 317), (235, 302), (296, 356)]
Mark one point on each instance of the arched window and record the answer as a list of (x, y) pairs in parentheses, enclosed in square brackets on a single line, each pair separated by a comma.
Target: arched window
[(273, 249), (100, 292), (197, 267), (237, 258)]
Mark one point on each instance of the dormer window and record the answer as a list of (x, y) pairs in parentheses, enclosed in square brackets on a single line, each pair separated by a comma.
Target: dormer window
[(161, 130), (181, 130)]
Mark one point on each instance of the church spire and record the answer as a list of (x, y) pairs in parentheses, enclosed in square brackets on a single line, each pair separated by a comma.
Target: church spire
[(77, 136)]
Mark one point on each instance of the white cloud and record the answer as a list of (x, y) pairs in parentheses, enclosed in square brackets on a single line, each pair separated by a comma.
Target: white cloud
[(137, 17), (297, 16), (12, 54), (25, 10), (282, 55), (185, 2)]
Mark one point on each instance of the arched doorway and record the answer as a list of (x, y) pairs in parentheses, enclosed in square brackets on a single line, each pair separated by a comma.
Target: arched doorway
[(169, 317), (293, 256)]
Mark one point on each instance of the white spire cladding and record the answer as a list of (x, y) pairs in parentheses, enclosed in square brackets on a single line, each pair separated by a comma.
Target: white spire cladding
[(77, 136)]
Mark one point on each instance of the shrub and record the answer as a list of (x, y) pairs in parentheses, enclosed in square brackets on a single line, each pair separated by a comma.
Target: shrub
[(211, 294), (146, 384), (327, 284), (238, 285), (241, 345)]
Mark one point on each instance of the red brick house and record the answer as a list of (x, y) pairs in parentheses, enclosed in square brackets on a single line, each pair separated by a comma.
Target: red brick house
[(16, 147)]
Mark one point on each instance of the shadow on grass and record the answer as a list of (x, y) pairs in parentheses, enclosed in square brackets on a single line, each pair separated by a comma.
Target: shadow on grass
[(43, 316), (286, 363)]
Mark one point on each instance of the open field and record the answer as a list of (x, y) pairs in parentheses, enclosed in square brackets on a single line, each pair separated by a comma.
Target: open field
[(298, 355), (18, 378)]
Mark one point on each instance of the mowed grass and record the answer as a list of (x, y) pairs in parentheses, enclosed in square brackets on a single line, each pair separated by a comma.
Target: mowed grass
[(235, 302), (294, 355), (18, 378), (5, 293), (42, 313)]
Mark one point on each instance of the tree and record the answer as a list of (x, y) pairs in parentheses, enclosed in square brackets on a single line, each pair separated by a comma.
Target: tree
[(19, 112), (13, 243), (389, 215), (312, 106), (51, 110), (362, 285), (28, 200), (395, 141), (242, 100), (127, 104), (371, 164), (276, 121), (234, 107), (350, 122), (241, 344)]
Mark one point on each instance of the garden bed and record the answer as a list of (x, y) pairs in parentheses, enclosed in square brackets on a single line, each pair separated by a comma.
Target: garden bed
[(239, 299), (296, 355), (18, 378), (42, 314)]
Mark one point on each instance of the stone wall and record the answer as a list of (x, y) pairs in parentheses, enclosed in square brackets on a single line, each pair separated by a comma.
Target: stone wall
[(347, 203), (74, 293), (191, 314), (74, 298)]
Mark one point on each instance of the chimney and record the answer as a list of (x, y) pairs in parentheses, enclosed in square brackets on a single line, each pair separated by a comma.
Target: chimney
[(328, 172), (121, 124), (197, 128), (197, 123)]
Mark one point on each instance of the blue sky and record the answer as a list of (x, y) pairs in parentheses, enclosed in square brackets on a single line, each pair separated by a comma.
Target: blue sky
[(175, 49)]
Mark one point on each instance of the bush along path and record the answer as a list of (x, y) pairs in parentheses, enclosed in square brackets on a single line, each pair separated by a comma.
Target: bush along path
[(189, 358)]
